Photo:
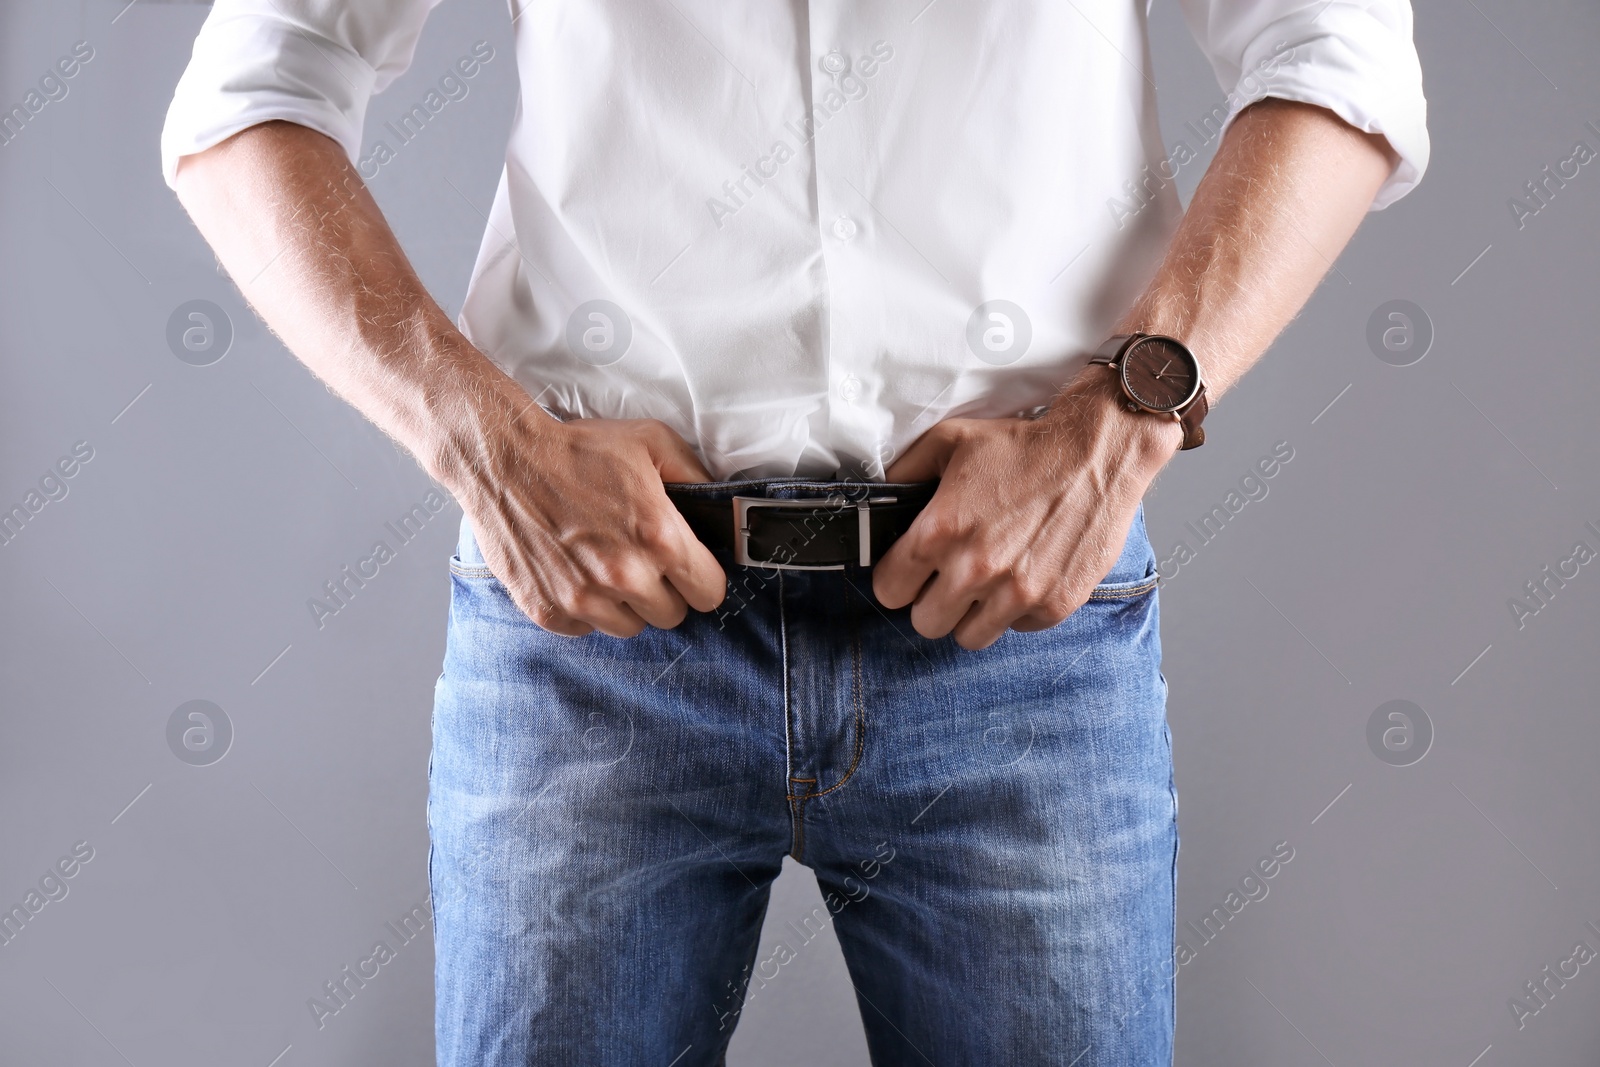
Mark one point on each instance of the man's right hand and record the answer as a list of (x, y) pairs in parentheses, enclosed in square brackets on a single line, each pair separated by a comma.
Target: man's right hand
[(572, 517), (574, 520)]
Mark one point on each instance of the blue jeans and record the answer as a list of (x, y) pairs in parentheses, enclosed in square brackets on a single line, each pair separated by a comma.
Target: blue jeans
[(994, 832)]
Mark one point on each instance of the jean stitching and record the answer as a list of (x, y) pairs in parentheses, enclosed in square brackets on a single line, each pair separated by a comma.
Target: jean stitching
[(797, 810), (860, 704), (710, 488), (796, 816), (1124, 594), (1172, 791), (767, 485)]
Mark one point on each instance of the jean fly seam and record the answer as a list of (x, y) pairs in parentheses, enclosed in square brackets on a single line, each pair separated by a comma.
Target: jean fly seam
[(797, 813), (1177, 845), (860, 705), (795, 833)]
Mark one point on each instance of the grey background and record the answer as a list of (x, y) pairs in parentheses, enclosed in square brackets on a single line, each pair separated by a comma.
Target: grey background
[(221, 897)]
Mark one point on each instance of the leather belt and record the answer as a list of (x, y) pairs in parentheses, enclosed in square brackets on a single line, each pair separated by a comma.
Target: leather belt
[(808, 526)]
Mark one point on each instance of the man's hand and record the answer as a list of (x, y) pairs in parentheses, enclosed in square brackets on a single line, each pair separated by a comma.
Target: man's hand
[(575, 522), (1029, 516), (572, 517)]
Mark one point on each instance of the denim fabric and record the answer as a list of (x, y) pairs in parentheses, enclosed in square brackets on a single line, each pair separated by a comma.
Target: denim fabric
[(994, 832)]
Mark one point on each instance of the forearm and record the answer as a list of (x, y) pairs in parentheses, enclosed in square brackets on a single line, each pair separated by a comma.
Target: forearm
[(591, 542), (1288, 187), (295, 227)]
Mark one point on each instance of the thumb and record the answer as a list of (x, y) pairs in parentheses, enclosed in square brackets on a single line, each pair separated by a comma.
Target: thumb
[(927, 458)]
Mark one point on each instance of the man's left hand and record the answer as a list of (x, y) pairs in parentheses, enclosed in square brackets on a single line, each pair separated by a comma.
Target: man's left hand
[(1029, 516)]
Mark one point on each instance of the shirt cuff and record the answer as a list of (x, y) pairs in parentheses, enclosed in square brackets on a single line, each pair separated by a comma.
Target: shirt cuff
[(251, 68), (1362, 68)]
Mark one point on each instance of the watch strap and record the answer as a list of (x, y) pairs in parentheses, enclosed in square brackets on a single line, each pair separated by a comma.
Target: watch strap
[(1194, 434), (1112, 347)]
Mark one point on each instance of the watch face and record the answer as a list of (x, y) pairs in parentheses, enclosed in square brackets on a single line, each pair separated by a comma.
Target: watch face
[(1160, 374)]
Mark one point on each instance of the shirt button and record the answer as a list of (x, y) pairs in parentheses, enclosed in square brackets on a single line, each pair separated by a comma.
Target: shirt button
[(850, 389), (835, 63), (844, 227)]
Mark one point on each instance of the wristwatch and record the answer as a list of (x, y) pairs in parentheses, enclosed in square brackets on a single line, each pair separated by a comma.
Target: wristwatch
[(1159, 375)]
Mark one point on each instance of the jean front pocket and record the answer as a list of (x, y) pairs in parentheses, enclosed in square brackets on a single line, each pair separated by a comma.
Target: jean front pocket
[(477, 593), (462, 569), (468, 561), (1125, 590), (1134, 572)]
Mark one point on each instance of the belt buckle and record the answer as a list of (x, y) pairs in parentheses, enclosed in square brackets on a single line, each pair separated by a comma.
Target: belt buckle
[(741, 528)]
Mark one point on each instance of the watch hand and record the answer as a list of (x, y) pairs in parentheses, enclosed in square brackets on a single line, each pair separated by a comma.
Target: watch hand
[(1162, 373)]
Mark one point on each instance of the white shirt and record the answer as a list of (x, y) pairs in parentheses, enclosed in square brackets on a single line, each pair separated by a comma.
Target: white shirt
[(799, 216)]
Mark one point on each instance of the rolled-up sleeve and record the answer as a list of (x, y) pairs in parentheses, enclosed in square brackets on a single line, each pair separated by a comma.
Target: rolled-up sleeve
[(312, 62), (1355, 59)]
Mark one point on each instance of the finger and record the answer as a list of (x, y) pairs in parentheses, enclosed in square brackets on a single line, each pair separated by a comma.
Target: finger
[(698, 577), (986, 622), (943, 604), (664, 608), (548, 617), (576, 607), (927, 457), (1042, 620), (650, 596), (906, 568), (674, 459), (534, 598), (607, 615), (690, 569), (567, 627), (688, 566)]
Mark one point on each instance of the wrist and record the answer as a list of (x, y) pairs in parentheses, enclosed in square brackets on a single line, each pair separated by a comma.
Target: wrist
[(477, 424), (1144, 440), (1158, 375)]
